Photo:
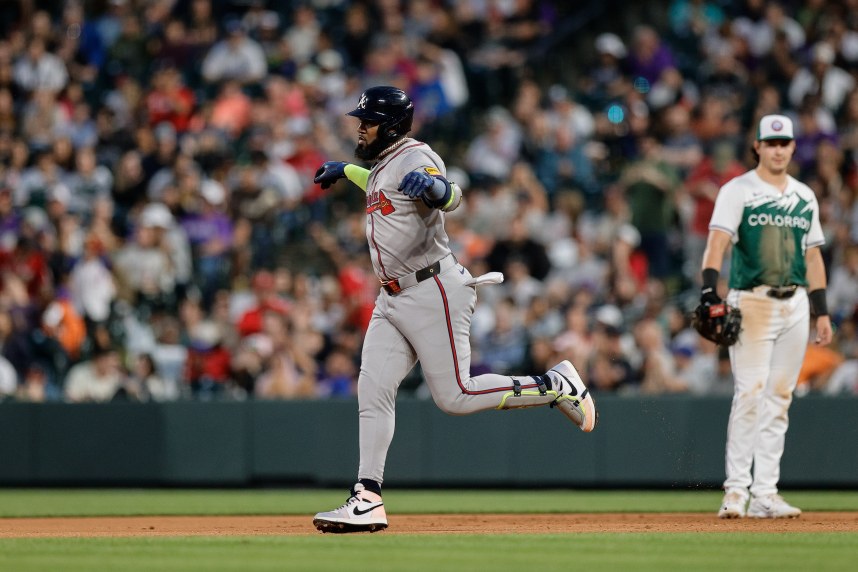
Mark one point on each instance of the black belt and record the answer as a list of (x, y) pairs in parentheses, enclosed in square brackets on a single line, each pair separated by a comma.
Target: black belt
[(782, 292), (394, 286)]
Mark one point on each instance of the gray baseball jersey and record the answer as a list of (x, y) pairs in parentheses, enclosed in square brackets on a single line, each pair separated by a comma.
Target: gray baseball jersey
[(429, 321), (404, 234)]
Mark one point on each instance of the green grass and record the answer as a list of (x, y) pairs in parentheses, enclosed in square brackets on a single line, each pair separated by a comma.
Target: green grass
[(656, 552), (659, 552), (110, 502)]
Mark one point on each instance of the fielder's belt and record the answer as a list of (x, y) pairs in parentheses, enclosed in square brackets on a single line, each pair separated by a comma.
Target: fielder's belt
[(777, 292), (397, 285)]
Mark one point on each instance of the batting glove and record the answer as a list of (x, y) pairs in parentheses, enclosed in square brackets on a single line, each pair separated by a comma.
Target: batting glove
[(329, 173), (708, 297), (416, 183)]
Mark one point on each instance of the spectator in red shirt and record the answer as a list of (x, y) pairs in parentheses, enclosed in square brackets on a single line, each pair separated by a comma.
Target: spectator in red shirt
[(716, 169), (170, 100), (267, 300), (207, 369)]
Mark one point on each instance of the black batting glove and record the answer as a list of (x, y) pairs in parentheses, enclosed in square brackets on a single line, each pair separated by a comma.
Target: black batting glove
[(329, 173), (709, 297)]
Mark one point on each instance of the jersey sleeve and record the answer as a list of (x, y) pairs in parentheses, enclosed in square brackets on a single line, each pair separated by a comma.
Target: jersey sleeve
[(422, 158), (815, 237), (729, 205)]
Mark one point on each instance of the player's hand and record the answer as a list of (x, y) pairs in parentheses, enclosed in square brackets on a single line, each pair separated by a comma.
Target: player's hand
[(709, 297), (416, 183), (329, 173), (824, 331)]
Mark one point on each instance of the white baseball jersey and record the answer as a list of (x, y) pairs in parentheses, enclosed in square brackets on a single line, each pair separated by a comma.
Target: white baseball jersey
[(771, 230), (404, 234)]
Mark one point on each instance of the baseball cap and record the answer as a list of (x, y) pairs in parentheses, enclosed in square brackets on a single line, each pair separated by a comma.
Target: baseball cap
[(775, 127)]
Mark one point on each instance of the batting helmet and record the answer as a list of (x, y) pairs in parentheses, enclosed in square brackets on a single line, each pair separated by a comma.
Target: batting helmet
[(388, 106)]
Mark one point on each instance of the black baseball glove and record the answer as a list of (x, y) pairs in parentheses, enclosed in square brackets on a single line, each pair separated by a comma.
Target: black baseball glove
[(720, 323)]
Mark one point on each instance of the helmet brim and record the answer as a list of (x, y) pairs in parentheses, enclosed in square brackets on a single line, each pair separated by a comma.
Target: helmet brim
[(368, 115)]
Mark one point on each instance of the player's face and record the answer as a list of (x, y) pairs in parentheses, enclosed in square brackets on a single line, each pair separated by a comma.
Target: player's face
[(367, 133), (368, 146), (775, 154)]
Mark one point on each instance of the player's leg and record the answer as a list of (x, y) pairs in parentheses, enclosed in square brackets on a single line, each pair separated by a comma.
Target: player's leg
[(750, 358), (441, 338), (786, 360), (386, 358)]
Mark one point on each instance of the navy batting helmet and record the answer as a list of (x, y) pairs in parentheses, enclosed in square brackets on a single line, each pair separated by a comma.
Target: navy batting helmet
[(388, 106)]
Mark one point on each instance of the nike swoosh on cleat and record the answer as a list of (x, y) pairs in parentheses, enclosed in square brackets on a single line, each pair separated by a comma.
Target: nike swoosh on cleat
[(359, 512)]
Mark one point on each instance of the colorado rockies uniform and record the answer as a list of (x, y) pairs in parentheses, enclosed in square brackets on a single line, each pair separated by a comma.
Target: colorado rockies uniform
[(771, 231)]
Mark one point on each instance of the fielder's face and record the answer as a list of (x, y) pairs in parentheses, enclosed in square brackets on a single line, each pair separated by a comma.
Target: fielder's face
[(775, 154)]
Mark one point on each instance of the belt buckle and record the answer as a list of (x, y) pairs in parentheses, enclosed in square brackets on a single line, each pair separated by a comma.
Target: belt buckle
[(392, 287), (781, 292)]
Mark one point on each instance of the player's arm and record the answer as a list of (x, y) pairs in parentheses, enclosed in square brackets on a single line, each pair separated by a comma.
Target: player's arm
[(713, 259), (817, 283), (427, 184), (332, 171)]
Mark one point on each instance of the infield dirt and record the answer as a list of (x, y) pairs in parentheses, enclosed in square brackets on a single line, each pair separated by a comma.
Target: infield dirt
[(133, 526)]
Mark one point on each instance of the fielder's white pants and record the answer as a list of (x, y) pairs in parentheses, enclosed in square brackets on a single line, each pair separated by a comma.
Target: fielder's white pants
[(766, 362)]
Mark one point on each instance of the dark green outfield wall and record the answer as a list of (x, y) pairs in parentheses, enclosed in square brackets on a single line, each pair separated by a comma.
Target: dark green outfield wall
[(664, 442)]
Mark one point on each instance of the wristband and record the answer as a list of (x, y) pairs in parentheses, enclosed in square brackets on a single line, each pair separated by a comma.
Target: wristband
[(357, 175), (710, 278), (818, 303)]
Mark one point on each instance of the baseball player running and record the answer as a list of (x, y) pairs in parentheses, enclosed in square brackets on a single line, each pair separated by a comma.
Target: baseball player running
[(777, 278), (424, 307)]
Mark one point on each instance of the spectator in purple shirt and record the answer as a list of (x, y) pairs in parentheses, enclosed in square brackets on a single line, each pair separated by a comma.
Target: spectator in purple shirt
[(210, 231), (649, 57)]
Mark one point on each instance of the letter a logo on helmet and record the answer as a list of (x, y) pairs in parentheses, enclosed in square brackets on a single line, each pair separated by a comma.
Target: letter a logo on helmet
[(362, 102)]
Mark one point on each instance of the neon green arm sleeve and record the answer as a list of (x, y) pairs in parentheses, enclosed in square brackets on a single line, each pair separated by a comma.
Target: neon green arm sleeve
[(357, 175)]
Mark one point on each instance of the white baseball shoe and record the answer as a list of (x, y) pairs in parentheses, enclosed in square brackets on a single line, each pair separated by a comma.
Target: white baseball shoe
[(733, 505), (574, 401), (362, 512), (772, 506)]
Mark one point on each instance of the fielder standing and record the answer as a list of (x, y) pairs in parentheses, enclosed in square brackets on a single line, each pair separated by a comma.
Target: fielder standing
[(777, 279), (423, 310)]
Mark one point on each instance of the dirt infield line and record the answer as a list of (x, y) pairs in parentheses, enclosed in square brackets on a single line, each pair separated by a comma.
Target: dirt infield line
[(134, 526)]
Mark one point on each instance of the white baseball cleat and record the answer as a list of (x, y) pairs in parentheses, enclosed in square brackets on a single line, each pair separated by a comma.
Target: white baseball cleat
[(772, 506), (574, 401), (362, 512), (733, 505)]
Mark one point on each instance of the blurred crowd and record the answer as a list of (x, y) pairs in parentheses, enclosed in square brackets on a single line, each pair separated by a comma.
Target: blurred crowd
[(161, 237)]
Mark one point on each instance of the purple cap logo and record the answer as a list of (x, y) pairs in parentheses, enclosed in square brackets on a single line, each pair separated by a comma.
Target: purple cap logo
[(777, 125)]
